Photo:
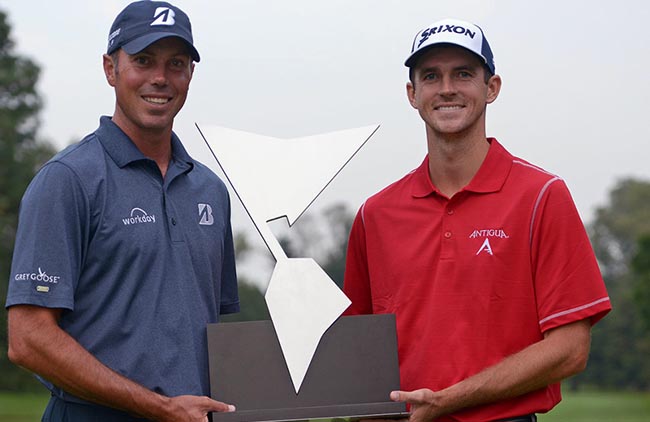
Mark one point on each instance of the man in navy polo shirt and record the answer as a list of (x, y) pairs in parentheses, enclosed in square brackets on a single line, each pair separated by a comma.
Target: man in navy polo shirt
[(124, 249)]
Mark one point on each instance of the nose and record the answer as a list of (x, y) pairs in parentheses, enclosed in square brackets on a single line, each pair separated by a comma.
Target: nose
[(447, 86), (159, 75)]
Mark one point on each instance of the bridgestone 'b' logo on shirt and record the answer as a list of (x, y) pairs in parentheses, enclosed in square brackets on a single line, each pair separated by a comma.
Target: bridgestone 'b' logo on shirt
[(139, 216), (205, 215), (445, 28), (163, 16)]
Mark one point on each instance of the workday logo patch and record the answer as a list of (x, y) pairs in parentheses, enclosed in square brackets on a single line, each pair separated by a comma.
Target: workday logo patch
[(138, 216)]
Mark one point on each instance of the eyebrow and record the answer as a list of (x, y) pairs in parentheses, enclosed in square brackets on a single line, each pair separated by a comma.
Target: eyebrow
[(456, 68)]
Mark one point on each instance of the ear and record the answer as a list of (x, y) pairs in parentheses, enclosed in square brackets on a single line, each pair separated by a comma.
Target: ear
[(410, 93), (109, 69), (494, 87)]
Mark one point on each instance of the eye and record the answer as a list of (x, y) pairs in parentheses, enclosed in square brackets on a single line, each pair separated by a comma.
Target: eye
[(177, 62), (141, 60), (431, 76), (463, 74)]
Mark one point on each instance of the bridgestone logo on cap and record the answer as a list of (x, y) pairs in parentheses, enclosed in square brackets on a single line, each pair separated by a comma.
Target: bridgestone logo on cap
[(163, 16)]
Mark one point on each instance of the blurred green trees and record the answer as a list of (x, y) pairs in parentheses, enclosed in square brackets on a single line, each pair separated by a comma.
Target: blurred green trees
[(21, 153)]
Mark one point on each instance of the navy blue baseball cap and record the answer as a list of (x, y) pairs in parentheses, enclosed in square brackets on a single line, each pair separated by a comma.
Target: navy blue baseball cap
[(142, 23), (456, 32)]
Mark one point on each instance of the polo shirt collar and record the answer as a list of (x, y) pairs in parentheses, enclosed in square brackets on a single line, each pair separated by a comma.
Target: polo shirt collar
[(490, 177), (123, 151)]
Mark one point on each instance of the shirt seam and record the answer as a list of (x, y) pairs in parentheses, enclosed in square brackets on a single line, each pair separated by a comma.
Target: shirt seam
[(574, 310)]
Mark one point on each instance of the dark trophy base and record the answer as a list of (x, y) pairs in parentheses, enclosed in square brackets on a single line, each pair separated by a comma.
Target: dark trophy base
[(353, 371)]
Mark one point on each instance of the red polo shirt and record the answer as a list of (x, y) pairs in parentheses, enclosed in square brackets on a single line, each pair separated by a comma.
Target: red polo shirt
[(474, 278)]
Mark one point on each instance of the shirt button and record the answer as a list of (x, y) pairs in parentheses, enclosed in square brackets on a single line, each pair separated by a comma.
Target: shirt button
[(173, 221), (450, 212), (447, 235)]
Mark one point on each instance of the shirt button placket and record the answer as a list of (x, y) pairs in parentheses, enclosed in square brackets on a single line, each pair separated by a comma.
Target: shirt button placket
[(447, 234), (174, 229)]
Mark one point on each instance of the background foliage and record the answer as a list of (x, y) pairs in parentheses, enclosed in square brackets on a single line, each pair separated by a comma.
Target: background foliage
[(21, 153)]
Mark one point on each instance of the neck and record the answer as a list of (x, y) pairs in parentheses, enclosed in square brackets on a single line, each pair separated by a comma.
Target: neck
[(454, 161), (159, 151), (154, 144)]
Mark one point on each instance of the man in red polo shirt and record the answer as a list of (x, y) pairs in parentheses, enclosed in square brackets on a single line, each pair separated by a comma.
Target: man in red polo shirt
[(481, 255)]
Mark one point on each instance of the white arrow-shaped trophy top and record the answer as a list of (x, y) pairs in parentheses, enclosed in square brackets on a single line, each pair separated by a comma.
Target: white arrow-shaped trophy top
[(277, 178)]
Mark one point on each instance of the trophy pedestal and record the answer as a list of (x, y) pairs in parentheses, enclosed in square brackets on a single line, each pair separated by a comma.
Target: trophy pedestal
[(354, 369)]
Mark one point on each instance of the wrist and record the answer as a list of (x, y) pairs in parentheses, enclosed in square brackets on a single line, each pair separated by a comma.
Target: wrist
[(156, 407)]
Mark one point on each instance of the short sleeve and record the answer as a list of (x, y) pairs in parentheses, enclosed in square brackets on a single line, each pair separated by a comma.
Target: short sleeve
[(568, 283), (52, 231), (229, 302)]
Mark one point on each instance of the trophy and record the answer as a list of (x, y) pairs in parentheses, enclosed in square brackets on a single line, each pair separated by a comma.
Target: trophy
[(308, 362)]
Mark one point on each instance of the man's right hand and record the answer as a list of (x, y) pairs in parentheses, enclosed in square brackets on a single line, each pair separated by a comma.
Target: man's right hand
[(193, 409)]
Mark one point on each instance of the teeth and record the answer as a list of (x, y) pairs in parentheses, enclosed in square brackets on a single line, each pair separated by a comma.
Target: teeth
[(449, 107), (156, 100)]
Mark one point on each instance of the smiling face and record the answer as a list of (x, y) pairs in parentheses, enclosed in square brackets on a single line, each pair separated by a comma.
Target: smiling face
[(150, 87), (450, 92)]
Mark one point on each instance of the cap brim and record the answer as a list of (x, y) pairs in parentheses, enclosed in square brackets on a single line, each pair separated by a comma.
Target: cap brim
[(413, 58), (139, 44)]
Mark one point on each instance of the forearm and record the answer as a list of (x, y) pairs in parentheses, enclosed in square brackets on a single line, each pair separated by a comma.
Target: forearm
[(46, 350), (562, 353)]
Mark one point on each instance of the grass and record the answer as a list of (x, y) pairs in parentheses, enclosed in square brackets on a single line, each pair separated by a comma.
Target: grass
[(22, 407), (576, 407), (601, 407)]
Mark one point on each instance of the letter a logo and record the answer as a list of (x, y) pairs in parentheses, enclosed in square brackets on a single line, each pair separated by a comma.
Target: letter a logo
[(485, 247), (205, 215), (164, 16)]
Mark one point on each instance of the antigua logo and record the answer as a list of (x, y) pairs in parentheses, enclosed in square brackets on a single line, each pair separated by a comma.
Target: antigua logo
[(163, 16), (139, 216), (487, 234), (485, 247), (205, 215)]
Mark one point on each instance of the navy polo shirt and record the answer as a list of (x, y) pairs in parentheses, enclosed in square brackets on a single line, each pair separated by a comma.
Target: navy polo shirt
[(139, 264)]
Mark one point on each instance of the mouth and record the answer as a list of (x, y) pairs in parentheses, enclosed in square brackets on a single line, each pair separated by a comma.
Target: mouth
[(157, 100), (448, 107)]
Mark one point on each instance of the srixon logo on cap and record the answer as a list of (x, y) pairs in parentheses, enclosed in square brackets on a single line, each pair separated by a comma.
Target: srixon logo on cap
[(457, 29)]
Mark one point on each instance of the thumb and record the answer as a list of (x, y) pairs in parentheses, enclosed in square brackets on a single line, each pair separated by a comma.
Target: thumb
[(399, 396), (412, 397)]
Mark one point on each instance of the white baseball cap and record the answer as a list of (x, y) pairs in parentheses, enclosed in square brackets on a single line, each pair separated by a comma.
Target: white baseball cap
[(456, 32)]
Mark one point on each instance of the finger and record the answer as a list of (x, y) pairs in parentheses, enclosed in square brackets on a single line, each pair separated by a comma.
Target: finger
[(218, 406)]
